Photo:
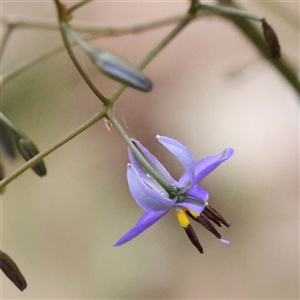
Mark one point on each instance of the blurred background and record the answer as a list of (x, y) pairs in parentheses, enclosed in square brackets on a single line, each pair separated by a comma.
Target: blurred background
[(212, 90)]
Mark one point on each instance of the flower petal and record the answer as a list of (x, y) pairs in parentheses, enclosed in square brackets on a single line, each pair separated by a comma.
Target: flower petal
[(198, 192), (147, 198), (146, 220), (195, 205), (181, 152), (153, 160), (195, 199), (206, 165)]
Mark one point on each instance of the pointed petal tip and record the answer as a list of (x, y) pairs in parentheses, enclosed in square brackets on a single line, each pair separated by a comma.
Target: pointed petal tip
[(230, 151), (224, 241)]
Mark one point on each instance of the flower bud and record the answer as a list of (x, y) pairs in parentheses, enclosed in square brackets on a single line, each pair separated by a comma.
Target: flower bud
[(111, 65), (118, 69), (6, 140), (271, 40), (28, 150), (11, 270), (2, 176)]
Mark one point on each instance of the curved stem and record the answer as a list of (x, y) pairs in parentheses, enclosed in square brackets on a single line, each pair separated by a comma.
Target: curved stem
[(181, 25), (52, 148), (78, 66), (227, 11)]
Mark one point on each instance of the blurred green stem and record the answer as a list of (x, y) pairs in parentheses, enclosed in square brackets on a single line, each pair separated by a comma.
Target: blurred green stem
[(6, 35), (52, 148), (181, 25), (63, 29), (102, 114), (78, 5), (227, 11), (92, 28)]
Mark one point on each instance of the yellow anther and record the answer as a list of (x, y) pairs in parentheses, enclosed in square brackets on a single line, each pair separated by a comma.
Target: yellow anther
[(194, 214), (182, 218)]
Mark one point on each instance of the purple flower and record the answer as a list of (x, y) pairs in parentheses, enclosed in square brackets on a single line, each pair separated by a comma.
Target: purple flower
[(188, 198)]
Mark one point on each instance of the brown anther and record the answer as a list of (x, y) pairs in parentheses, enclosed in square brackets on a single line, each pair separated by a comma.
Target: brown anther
[(206, 223), (212, 217), (216, 215), (193, 237)]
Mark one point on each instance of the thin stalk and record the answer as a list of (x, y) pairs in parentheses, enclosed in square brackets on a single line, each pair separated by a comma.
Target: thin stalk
[(227, 11), (100, 115), (77, 5), (109, 31), (6, 36), (28, 65), (67, 44), (150, 170), (63, 26), (182, 24), (93, 28), (7, 122)]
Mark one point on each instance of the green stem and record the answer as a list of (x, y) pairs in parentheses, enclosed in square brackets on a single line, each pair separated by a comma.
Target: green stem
[(149, 169), (227, 11), (7, 122), (52, 148), (63, 26), (185, 21), (67, 44), (109, 31), (78, 5), (92, 28), (26, 66), (6, 36)]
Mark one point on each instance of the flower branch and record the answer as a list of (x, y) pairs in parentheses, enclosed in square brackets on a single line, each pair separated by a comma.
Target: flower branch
[(52, 148), (78, 5)]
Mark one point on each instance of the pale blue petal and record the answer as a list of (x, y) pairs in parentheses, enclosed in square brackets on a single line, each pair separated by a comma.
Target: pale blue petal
[(181, 152), (206, 165), (193, 204), (146, 220), (154, 161), (147, 198), (142, 174), (198, 192)]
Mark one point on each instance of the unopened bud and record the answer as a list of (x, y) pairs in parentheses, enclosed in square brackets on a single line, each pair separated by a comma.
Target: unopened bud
[(28, 150), (111, 65), (11, 270), (116, 68), (6, 140), (2, 176), (271, 40), (2, 173)]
